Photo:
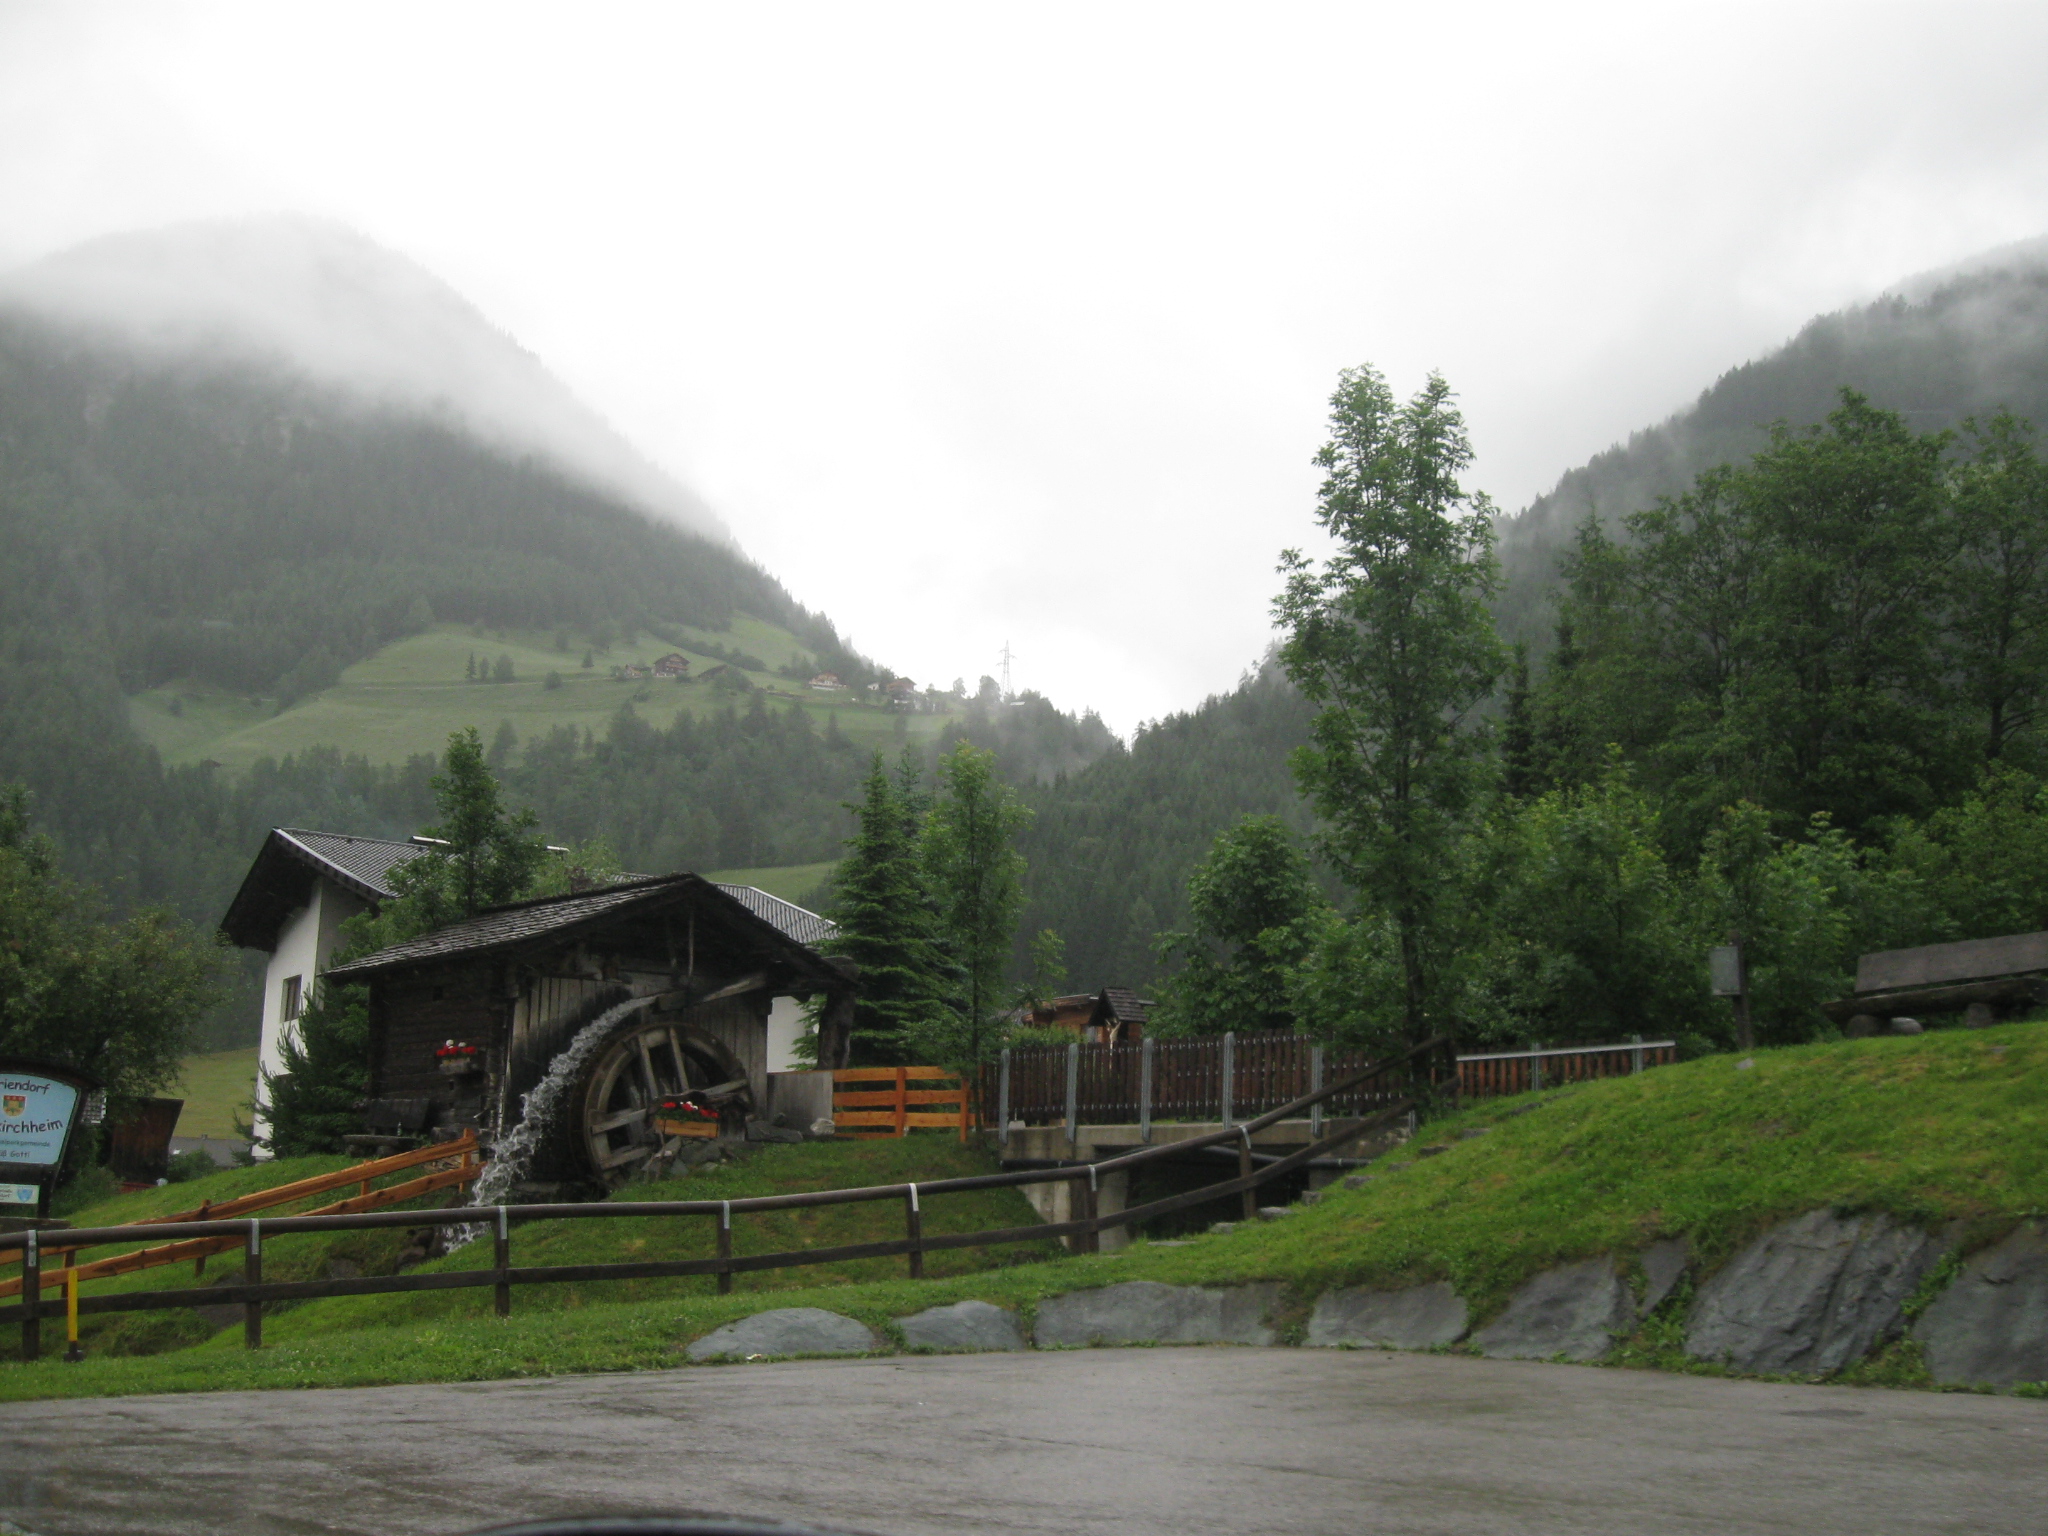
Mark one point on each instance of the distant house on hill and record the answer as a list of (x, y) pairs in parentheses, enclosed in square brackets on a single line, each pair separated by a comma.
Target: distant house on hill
[(674, 664), (632, 672), (826, 682), (901, 693)]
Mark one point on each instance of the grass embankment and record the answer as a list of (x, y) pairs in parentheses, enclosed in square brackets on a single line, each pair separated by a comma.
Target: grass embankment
[(1943, 1127), (407, 697), (216, 1089)]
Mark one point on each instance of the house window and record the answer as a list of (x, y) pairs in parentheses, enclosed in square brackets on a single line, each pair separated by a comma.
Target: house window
[(292, 1003)]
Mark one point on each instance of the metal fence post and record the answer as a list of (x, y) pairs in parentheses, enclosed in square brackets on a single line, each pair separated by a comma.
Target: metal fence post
[(913, 1226), (1073, 1093), (1229, 1074), (501, 1260), (725, 1248), (1003, 1105), (252, 1274), (1315, 1085), (1636, 1055), (1535, 1066), (1148, 1053)]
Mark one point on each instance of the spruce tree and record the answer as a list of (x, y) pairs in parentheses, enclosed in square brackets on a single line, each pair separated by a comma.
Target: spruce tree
[(885, 925)]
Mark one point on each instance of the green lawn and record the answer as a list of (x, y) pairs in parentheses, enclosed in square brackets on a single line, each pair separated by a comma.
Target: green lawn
[(216, 1089), (408, 696), (1949, 1126)]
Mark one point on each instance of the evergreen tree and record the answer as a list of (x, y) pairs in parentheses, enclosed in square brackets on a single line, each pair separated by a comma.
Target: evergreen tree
[(885, 927), (976, 876), (311, 1103), (1518, 776)]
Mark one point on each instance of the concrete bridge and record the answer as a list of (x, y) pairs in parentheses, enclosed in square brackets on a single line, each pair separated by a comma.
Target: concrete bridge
[(1028, 1146)]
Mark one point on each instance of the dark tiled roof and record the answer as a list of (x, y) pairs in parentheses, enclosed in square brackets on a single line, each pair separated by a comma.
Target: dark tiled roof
[(1124, 1005), (500, 926), (368, 861), (804, 926), (281, 878)]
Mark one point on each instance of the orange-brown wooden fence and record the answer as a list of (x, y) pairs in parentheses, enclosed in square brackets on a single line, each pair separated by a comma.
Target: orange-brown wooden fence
[(892, 1105)]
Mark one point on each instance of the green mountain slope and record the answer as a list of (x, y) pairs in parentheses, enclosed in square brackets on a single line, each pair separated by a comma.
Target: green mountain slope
[(1953, 344)]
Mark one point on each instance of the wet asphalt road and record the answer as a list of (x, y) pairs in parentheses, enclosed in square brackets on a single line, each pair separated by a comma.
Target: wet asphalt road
[(1183, 1442)]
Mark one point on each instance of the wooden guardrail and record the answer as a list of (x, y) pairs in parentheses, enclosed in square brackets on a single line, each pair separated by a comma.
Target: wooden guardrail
[(252, 1293), (891, 1105), (59, 1242)]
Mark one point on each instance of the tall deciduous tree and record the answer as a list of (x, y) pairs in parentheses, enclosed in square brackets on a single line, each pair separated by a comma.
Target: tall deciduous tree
[(976, 877), (2000, 635), (1391, 637), (1255, 911), (116, 1000)]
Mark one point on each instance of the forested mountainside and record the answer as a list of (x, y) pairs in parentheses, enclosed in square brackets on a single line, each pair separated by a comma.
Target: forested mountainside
[(1110, 847), (1955, 344)]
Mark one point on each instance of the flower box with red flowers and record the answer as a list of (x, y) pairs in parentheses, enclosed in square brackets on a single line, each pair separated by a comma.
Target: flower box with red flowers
[(680, 1117), (458, 1058)]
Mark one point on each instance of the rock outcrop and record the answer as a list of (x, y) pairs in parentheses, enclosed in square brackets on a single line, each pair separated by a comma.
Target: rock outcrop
[(1146, 1312), (965, 1325), (1990, 1327), (1574, 1312), (786, 1331), (1813, 1294), (1421, 1317)]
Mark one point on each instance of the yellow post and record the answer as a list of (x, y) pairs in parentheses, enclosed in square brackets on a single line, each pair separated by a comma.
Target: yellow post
[(73, 1353)]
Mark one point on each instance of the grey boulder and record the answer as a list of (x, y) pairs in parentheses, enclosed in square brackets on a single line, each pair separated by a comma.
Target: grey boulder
[(965, 1325), (1146, 1312), (1573, 1311), (1421, 1317), (1812, 1294), (1990, 1328), (786, 1331)]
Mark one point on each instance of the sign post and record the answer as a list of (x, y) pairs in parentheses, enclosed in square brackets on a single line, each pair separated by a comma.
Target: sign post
[(40, 1107), (1728, 972)]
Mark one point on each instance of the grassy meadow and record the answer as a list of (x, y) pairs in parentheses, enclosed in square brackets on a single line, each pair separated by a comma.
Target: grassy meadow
[(216, 1089), (408, 696)]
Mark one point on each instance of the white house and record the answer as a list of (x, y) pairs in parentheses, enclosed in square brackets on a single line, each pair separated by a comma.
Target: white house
[(292, 903), (304, 885)]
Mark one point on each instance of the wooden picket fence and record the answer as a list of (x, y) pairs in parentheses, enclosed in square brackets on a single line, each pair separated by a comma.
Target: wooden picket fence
[(892, 1106)]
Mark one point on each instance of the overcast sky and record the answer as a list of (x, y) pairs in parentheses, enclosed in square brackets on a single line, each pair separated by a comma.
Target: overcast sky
[(984, 323)]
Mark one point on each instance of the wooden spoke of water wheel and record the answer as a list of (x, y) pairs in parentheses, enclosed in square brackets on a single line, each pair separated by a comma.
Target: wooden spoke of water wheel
[(647, 1061)]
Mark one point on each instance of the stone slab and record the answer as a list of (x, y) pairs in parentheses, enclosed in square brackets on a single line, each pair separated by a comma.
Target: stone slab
[(1990, 1327), (1420, 1317), (1146, 1312), (786, 1331), (965, 1325), (1663, 1262), (1572, 1312), (1813, 1294)]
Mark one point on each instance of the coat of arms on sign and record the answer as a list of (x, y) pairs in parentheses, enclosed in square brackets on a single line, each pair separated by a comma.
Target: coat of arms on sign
[(15, 1104)]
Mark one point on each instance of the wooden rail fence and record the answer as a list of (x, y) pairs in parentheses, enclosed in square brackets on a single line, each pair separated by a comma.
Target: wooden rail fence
[(461, 1153), (1377, 1082), (891, 1106)]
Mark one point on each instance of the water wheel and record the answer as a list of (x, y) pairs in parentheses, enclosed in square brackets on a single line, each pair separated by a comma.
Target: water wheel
[(649, 1061)]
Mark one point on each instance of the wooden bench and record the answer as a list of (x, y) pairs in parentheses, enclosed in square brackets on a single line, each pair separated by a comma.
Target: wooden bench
[(1986, 979)]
